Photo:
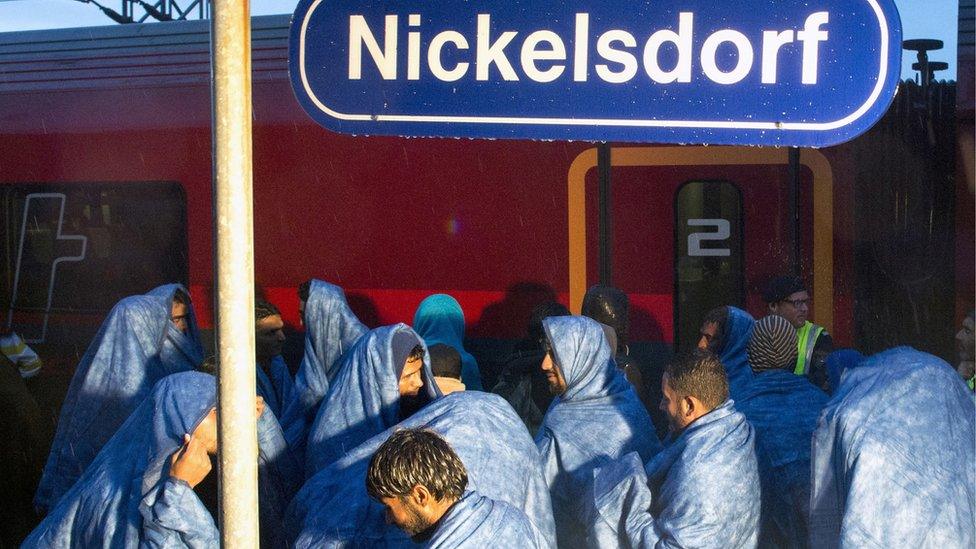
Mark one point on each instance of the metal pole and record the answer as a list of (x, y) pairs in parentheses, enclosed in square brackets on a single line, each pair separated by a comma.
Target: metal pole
[(795, 205), (234, 228), (606, 215)]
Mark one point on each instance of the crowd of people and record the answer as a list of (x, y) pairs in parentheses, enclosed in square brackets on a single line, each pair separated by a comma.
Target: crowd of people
[(764, 435)]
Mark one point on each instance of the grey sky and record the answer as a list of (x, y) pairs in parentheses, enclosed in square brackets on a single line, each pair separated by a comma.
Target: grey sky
[(920, 19)]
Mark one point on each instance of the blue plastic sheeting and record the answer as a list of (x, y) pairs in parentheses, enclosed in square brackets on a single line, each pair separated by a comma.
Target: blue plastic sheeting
[(479, 521), (439, 319), (278, 389), (701, 491), (783, 408), (364, 398), (599, 418), (333, 508), (126, 498), (893, 457), (331, 329), (734, 356), (839, 362), (136, 346)]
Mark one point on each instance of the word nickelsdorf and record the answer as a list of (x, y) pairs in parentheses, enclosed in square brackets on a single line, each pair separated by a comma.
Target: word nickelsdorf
[(757, 72), (542, 54)]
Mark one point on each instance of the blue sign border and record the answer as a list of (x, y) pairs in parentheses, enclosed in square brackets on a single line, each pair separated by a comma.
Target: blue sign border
[(708, 131)]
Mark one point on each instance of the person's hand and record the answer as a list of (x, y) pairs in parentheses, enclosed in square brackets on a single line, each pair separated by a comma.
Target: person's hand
[(190, 463)]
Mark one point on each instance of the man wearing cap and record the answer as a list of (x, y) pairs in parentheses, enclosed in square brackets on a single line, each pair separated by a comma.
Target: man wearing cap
[(787, 296)]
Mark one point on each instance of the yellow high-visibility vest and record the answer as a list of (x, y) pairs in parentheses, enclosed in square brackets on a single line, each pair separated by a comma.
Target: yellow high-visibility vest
[(806, 340)]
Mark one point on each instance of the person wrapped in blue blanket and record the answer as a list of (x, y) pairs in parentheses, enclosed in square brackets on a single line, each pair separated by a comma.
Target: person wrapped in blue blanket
[(143, 339), (385, 377), (702, 490), (333, 509), (423, 484), (331, 329), (139, 490), (726, 331), (893, 457), (595, 417), (783, 409), (274, 383), (439, 319)]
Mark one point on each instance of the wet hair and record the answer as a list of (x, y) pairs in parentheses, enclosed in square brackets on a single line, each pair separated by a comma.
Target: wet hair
[(209, 365), (542, 312), (417, 353), (445, 361), (720, 317), (179, 296), (303, 290), (610, 306), (416, 457), (699, 374), (782, 287), (263, 309)]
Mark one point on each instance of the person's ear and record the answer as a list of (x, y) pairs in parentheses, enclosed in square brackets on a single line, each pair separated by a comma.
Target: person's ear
[(687, 406), (421, 496)]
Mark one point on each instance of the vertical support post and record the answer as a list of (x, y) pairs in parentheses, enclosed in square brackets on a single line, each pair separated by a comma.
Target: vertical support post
[(794, 173), (234, 229), (606, 215)]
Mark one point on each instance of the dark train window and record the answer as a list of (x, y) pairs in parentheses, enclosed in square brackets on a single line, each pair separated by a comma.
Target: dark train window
[(74, 250), (709, 254)]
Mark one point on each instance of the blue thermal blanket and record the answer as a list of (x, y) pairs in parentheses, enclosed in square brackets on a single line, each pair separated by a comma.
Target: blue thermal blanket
[(439, 319), (278, 389), (599, 418), (333, 508), (839, 362), (331, 329), (126, 498), (734, 355), (478, 521), (363, 400), (783, 409), (700, 491), (893, 457), (136, 346)]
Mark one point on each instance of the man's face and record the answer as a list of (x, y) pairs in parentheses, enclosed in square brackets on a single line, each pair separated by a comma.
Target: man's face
[(795, 308), (709, 337), (965, 342), (179, 314), (405, 515), (557, 383), (672, 406), (206, 430), (411, 380), (269, 337)]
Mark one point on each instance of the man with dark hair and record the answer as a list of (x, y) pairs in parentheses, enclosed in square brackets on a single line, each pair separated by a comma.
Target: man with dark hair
[(595, 418), (725, 331), (783, 409), (445, 363), (423, 485), (787, 296), (702, 490), (274, 381), (522, 382), (383, 379)]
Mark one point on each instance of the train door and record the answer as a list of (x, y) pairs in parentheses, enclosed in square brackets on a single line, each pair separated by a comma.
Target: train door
[(699, 227)]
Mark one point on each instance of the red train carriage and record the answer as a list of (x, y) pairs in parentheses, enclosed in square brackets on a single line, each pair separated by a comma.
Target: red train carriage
[(105, 178)]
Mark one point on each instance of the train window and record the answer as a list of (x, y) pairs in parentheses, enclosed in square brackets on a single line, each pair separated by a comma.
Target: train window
[(709, 252), (72, 250)]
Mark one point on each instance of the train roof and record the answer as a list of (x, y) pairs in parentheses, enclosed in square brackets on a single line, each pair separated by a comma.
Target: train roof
[(176, 52)]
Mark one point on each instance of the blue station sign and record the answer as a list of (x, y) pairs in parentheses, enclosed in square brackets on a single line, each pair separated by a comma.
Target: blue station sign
[(806, 73)]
